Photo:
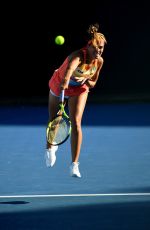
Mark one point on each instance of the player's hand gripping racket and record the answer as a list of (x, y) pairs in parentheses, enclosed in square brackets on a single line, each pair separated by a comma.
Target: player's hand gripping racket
[(59, 129)]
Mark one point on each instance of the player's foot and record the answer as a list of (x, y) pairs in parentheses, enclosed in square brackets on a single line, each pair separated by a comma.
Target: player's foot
[(74, 169), (50, 156)]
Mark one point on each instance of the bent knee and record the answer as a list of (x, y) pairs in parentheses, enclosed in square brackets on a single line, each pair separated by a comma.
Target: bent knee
[(76, 123)]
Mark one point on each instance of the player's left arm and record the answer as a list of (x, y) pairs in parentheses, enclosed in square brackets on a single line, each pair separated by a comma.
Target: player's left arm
[(92, 82)]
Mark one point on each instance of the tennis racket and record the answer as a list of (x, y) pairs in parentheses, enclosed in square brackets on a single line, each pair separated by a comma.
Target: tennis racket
[(59, 129)]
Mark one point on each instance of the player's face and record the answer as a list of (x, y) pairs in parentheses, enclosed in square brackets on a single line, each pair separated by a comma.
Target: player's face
[(97, 49)]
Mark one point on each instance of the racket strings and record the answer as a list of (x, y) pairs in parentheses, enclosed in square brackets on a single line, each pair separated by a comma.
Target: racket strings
[(58, 130)]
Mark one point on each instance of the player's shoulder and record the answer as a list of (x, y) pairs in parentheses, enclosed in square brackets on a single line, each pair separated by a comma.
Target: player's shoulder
[(100, 60), (75, 54)]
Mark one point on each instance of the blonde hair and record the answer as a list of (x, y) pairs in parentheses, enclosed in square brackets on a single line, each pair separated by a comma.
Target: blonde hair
[(95, 36)]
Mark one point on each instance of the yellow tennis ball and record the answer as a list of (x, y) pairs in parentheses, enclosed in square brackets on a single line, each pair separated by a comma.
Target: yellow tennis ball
[(59, 40)]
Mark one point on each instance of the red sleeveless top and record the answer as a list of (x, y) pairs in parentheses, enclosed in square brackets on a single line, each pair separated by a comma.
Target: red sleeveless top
[(74, 89)]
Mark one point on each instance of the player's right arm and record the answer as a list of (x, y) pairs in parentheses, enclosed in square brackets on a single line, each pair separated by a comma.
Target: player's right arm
[(73, 61)]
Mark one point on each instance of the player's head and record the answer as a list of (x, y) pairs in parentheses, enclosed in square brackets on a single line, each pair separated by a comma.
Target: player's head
[(95, 37), (96, 40)]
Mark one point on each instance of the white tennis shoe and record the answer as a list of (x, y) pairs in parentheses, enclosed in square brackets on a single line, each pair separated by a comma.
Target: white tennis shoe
[(50, 156), (74, 169)]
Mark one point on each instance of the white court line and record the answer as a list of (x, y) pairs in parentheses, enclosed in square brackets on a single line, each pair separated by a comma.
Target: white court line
[(76, 195)]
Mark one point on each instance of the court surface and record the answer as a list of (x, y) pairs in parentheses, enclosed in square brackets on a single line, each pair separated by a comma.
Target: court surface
[(114, 191)]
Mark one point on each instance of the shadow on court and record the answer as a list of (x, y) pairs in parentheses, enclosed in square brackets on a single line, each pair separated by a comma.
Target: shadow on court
[(95, 114), (14, 202), (117, 216)]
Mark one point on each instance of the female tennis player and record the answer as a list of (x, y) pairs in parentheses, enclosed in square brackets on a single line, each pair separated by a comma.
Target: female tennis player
[(78, 73)]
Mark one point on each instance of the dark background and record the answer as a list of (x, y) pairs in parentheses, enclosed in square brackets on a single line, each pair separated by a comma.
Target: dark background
[(29, 55)]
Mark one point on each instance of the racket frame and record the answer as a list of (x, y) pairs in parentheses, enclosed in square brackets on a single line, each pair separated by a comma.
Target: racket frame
[(61, 113)]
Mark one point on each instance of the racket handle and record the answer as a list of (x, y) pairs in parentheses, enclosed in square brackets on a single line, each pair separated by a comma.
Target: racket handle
[(62, 94)]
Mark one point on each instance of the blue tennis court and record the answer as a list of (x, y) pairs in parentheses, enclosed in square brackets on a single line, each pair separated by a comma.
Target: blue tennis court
[(114, 191)]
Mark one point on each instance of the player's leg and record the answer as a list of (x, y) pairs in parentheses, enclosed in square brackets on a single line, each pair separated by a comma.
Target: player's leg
[(76, 106), (50, 154), (53, 102)]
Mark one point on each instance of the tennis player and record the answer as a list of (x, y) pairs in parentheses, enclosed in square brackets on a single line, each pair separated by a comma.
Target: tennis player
[(78, 73)]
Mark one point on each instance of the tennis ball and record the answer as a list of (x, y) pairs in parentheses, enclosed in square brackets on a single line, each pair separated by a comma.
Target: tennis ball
[(59, 40)]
